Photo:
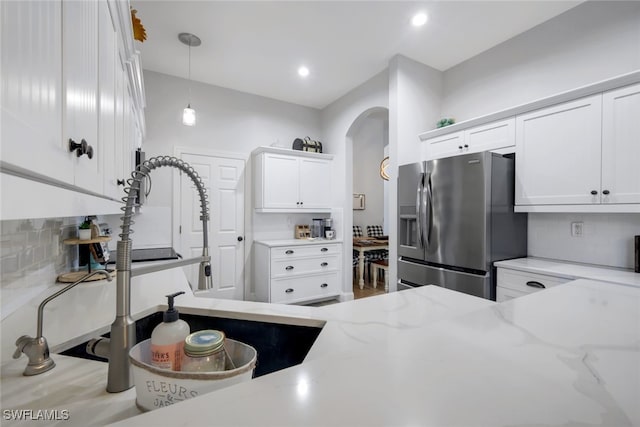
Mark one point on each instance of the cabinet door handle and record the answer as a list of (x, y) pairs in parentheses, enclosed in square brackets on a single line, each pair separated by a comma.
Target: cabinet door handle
[(466, 145), (324, 250), (289, 267), (459, 147), (594, 192), (80, 149), (535, 284), (120, 182), (324, 285), (324, 264), (288, 252), (605, 192), (289, 290)]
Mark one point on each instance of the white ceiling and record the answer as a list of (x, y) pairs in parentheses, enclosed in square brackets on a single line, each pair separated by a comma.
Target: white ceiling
[(257, 46)]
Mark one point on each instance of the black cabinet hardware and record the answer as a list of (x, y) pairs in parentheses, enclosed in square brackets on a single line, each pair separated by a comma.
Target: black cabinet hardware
[(535, 284)]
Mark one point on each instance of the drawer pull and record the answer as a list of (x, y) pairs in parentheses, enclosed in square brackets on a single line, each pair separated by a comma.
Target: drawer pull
[(324, 250), (324, 264), (289, 290), (289, 252), (535, 284), (324, 285), (289, 267)]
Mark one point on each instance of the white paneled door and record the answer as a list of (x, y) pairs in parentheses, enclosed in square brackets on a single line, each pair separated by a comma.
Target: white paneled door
[(223, 178)]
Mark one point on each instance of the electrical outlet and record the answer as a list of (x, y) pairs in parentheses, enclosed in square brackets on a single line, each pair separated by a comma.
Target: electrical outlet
[(577, 229)]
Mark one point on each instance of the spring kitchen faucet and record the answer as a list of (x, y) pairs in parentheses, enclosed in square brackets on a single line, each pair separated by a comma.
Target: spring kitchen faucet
[(123, 331)]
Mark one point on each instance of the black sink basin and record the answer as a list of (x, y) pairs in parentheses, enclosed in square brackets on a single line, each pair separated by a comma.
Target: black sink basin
[(278, 345)]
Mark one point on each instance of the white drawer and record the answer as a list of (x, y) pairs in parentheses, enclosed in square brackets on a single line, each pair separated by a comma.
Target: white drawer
[(295, 266), (505, 294), (304, 251), (527, 282), (292, 290)]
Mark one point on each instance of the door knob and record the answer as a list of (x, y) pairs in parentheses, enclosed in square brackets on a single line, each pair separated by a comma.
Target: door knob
[(240, 238)]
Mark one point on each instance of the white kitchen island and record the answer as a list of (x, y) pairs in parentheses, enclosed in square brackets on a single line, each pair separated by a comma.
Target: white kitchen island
[(568, 355)]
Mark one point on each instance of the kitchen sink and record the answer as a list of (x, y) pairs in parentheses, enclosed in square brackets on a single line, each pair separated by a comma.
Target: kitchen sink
[(279, 346)]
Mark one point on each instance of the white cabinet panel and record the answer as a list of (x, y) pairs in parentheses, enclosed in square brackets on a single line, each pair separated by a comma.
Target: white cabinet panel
[(80, 73), (280, 182), (445, 145), (558, 154), (32, 88), (108, 51), (492, 136), (621, 145), (514, 283), (315, 183), (291, 182)]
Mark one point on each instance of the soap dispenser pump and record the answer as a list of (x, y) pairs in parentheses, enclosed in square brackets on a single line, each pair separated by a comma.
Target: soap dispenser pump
[(167, 339)]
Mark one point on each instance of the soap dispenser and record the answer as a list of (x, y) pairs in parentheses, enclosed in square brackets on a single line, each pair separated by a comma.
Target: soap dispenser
[(167, 339)]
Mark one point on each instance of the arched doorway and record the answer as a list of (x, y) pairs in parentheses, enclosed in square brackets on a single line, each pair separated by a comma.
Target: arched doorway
[(366, 144)]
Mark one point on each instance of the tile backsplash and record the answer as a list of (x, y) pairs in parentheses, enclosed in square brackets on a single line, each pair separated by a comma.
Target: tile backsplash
[(32, 255)]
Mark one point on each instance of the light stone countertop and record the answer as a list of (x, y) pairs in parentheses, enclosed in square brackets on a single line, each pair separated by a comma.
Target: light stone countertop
[(573, 270), (427, 356), (564, 356), (78, 385)]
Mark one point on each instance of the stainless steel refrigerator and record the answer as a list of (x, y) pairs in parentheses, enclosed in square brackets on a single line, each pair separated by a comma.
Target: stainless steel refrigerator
[(455, 218)]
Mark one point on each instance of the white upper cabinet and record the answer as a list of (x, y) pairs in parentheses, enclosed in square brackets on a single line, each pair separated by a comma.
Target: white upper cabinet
[(32, 88), (621, 145), (80, 74), (558, 154), (581, 155), (491, 136), (70, 78), (286, 181), (315, 183)]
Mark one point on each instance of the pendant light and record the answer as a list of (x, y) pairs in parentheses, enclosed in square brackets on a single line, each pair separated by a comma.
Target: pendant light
[(189, 114)]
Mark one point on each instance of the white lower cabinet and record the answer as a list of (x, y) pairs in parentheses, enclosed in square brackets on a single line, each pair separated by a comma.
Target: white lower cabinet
[(514, 283), (297, 273)]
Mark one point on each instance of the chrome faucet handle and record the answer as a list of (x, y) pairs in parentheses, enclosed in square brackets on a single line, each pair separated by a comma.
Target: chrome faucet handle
[(21, 343), (37, 350)]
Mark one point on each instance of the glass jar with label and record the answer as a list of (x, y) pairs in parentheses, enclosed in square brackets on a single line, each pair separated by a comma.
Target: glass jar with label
[(204, 351)]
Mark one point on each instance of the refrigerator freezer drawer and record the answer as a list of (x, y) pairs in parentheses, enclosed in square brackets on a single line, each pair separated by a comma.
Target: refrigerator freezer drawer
[(421, 274)]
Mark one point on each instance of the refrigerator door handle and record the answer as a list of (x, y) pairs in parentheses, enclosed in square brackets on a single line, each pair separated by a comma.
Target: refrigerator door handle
[(419, 210), (428, 209)]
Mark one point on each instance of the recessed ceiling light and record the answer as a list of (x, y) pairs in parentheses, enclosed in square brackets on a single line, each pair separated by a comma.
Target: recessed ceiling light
[(303, 71), (419, 19)]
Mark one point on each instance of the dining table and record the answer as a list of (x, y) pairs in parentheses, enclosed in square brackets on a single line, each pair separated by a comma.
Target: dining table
[(365, 244)]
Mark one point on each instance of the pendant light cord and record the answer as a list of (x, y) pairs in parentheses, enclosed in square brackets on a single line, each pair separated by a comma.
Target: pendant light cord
[(190, 41)]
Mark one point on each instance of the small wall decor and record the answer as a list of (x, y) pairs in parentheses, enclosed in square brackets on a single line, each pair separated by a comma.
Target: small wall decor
[(358, 201), (139, 32), (384, 165)]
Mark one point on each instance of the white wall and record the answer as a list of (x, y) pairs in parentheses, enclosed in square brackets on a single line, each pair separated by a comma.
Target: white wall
[(227, 121), (591, 42), (368, 149), (606, 240), (415, 96)]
